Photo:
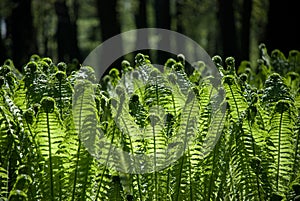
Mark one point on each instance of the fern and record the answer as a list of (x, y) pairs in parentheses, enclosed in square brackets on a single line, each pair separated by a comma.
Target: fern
[(49, 133), (144, 133), (281, 134)]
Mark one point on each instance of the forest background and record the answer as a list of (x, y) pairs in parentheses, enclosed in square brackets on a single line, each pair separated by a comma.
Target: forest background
[(67, 30)]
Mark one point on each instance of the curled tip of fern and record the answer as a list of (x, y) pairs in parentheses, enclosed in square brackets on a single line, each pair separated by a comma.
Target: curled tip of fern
[(47, 60), (154, 119), (248, 71), (282, 105), (28, 115), (48, 104), (230, 62), (126, 66), (62, 66), (217, 59), (2, 81), (87, 72), (170, 62), (243, 77), (114, 72), (277, 54), (262, 46), (31, 66), (293, 75), (201, 64), (294, 53), (228, 79), (141, 59), (178, 67), (9, 62), (4, 69), (181, 58), (60, 75), (35, 57), (44, 66), (273, 78)]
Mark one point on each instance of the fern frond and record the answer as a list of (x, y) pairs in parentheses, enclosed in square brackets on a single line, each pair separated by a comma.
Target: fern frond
[(49, 133), (236, 101), (3, 183), (281, 134), (294, 61)]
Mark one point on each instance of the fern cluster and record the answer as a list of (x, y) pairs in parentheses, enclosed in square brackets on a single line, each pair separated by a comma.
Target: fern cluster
[(236, 136)]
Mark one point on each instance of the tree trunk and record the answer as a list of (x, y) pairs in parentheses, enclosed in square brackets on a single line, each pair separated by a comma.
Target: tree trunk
[(282, 32), (110, 26), (66, 35), (245, 38), (3, 53), (163, 20), (141, 22), (179, 22), (23, 33), (228, 28)]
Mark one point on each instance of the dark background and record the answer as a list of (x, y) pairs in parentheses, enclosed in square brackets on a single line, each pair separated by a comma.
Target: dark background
[(69, 29)]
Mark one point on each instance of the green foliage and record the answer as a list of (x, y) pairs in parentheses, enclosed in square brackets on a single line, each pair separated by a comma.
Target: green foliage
[(48, 139)]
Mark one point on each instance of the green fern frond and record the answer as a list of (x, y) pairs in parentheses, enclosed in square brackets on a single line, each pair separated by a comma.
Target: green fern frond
[(294, 61), (3, 183), (49, 133), (281, 134), (237, 104)]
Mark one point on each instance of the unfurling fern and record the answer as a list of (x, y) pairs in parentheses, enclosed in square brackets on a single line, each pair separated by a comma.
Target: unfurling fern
[(145, 133)]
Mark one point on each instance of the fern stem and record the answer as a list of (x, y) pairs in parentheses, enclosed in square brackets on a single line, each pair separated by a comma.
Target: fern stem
[(212, 174), (60, 100), (100, 182), (154, 161), (85, 182), (50, 157), (177, 189), (278, 153), (236, 105), (107, 158), (132, 151), (190, 175), (78, 151), (76, 169), (296, 154)]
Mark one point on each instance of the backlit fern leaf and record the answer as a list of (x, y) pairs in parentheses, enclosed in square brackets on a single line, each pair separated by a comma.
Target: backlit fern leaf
[(49, 133), (245, 162), (234, 95), (3, 183), (281, 134)]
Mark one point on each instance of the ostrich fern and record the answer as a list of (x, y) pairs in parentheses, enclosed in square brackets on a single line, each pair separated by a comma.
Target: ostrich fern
[(66, 137)]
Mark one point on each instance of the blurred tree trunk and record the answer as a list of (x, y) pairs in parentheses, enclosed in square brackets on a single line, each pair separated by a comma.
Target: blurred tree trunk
[(282, 32), (228, 29), (109, 19), (66, 35), (163, 20), (110, 26), (22, 33), (141, 22), (245, 38), (3, 53), (179, 22)]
